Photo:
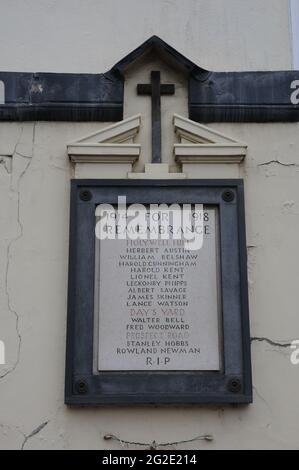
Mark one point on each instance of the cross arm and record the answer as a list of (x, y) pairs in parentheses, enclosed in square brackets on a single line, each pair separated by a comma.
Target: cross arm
[(144, 89), (167, 89)]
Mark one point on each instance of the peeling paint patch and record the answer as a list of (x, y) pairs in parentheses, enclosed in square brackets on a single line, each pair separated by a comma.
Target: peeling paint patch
[(36, 88), (289, 207)]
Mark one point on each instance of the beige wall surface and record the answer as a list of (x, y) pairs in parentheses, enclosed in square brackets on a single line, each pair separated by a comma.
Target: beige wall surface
[(90, 36), (34, 219)]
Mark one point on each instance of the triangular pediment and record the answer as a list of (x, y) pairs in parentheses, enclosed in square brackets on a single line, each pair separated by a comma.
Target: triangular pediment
[(201, 143), (122, 131), (114, 143), (196, 133)]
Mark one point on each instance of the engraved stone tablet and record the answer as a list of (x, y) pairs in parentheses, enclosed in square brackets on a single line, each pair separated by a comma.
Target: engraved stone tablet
[(158, 304)]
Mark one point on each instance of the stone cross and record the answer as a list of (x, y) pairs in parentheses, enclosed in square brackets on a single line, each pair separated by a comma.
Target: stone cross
[(155, 89)]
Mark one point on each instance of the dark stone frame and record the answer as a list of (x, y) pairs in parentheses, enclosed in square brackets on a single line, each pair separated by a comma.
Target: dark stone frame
[(233, 384)]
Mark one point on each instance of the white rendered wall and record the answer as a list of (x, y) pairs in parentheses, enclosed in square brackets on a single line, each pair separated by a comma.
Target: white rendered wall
[(91, 35), (73, 36)]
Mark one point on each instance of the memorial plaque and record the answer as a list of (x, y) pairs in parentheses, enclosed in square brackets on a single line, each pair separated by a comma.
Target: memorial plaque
[(158, 303), (157, 320)]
